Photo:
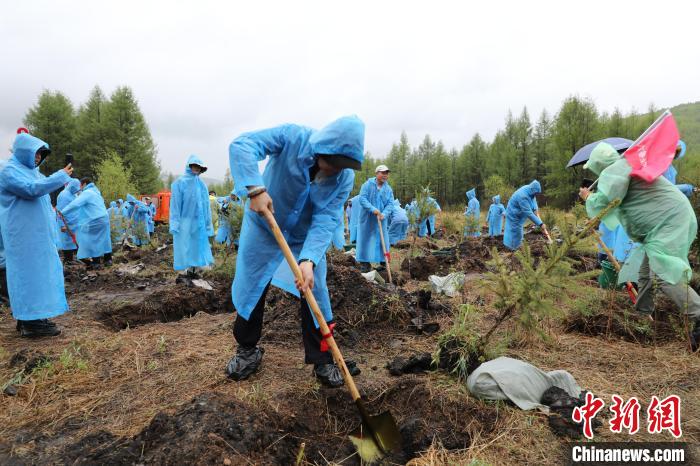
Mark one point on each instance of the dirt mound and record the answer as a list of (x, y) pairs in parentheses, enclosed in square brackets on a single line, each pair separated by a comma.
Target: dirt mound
[(211, 429), (626, 325), (167, 303)]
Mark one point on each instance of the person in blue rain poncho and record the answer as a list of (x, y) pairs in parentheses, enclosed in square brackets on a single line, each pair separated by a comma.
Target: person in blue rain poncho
[(229, 205), (398, 223), (495, 216), (309, 176), (521, 206), (353, 214), (671, 173), (136, 217), (376, 202), (65, 242), (473, 214), (190, 219), (123, 208), (427, 227), (659, 217), (93, 232), (151, 215), (115, 221), (28, 224)]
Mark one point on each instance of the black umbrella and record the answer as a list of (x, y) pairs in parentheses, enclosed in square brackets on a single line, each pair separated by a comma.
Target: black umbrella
[(583, 154)]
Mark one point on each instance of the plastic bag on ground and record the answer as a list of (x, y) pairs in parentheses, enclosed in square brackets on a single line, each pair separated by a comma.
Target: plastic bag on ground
[(449, 285), (518, 381), (374, 277)]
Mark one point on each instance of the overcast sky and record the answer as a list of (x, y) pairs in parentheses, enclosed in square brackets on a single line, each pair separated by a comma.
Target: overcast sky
[(204, 72)]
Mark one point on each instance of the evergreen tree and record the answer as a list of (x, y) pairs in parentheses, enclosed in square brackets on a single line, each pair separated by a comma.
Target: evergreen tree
[(52, 120), (576, 125), (541, 146), (128, 134), (91, 134)]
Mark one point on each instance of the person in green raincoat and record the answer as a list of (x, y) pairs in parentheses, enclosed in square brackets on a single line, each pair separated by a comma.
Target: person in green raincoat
[(659, 217)]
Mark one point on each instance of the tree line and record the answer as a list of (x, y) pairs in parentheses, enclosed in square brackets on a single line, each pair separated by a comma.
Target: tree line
[(103, 130), (521, 151)]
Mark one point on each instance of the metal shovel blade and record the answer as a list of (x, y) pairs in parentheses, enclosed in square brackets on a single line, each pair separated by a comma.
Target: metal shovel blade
[(376, 436)]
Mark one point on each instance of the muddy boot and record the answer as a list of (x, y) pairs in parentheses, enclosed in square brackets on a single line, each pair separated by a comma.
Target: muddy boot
[(381, 267), (37, 328), (107, 259), (328, 375), (245, 363), (192, 274), (364, 267)]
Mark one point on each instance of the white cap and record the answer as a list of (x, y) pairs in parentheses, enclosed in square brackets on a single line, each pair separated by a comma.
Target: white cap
[(381, 168)]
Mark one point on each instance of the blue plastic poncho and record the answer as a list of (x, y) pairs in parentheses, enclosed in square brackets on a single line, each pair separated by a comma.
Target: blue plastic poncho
[(423, 227), (151, 217), (307, 211), (495, 216), (473, 212), (190, 219), (521, 207), (65, 197), (136, 217), (94, 239), (223, 234), (656, 215), (353, 215), (369, 246), (28, 224), (398, 223)]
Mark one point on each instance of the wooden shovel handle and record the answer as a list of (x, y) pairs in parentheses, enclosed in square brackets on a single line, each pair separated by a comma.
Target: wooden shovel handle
[(313, 305), (386, 256)]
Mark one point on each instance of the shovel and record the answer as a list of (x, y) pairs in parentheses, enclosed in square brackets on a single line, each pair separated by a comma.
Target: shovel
[(70, 233), (386, 254), (377, 435)]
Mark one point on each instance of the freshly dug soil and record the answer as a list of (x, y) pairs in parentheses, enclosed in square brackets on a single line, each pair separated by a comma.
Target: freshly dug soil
[(167, 303)]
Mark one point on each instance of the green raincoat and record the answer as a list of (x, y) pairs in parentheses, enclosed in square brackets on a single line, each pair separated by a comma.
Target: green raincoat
[(656, 215)]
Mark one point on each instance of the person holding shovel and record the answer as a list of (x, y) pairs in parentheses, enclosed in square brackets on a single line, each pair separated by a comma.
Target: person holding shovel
[(191, 219), (376, 203), (305, 184), (521, 206), (34, 271), (659, 217)]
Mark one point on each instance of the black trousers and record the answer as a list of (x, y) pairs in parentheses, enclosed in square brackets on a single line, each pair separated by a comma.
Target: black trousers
[(427, 224), (248, 332)]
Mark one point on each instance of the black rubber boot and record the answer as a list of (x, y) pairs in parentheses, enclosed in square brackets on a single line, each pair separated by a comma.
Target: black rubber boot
[(4, 295), (365, 267), (245, 363), (352, 367), (37, 328), (329, 375), (381, 267), (192, 274), (107, 259)]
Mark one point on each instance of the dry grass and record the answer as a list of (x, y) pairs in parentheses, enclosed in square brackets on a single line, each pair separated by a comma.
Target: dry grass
[(129, 376)]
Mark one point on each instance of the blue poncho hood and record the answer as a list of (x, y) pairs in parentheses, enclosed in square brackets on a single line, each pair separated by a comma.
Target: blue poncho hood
[(25, 147), (345, 136), (471, 194), (496, 199), (73, 186), (534, 188), (113, 204), (194, 160)]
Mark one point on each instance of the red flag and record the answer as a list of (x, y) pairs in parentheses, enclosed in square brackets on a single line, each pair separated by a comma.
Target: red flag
[(653, 152)]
